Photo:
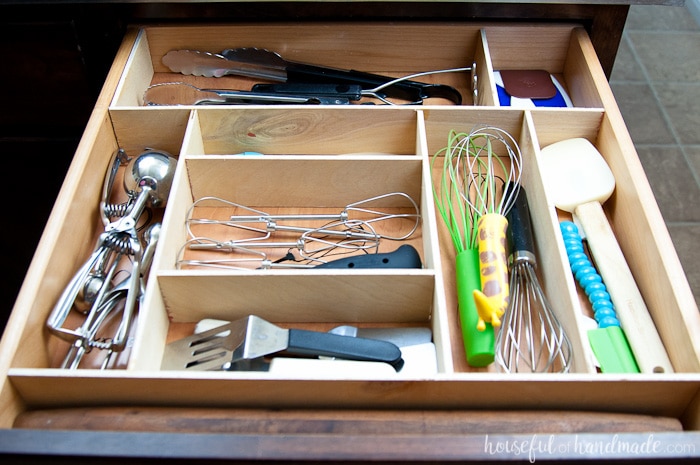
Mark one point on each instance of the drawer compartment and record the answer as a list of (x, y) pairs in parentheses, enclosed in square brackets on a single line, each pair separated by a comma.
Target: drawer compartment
[(281, 160), (563, 51), (285, 188)]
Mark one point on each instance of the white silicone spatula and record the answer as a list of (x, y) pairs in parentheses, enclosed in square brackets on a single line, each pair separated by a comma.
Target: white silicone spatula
[(578, 180)]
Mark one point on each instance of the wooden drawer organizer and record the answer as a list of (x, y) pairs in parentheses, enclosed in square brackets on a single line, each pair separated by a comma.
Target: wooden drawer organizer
[(328, 156)]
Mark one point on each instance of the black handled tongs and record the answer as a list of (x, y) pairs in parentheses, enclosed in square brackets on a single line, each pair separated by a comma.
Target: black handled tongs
[(182, 93), (264, 64)]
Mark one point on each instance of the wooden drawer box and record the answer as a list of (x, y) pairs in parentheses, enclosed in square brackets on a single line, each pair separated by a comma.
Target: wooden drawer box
[(326, 157)]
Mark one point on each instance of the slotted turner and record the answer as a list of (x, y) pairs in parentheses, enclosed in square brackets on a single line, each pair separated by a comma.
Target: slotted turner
[(243, 344)]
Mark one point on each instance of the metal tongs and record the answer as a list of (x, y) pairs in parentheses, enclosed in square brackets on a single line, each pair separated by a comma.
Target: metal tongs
[(268, 65), (188, 94)]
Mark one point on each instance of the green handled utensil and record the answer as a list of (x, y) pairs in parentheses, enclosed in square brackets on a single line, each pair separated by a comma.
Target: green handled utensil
[(451, 199), (608, 341), (479, 345)]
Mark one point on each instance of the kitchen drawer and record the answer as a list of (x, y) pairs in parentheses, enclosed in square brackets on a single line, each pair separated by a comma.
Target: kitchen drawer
[(322, 158)]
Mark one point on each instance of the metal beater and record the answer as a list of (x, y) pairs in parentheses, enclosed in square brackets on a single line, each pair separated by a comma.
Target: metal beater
[(353, 229), (531, 338)]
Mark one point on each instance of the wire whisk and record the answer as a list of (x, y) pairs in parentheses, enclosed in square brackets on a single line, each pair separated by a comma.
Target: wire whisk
[(474, 167), (531, 338), (485, 160)]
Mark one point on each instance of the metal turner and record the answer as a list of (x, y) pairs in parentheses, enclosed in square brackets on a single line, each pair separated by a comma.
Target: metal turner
[(243, 345)]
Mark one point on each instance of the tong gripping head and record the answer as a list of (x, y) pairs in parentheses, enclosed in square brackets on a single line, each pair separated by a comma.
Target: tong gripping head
[(207, 64), (195, 63)]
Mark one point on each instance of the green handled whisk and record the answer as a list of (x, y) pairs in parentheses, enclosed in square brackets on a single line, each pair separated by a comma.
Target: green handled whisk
[(469, 197)]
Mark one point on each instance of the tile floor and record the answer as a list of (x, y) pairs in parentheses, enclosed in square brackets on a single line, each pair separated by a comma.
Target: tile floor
[(656, 82)]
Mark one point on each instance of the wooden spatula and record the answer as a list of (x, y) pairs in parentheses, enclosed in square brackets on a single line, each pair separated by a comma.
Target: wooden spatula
[(578, 180)]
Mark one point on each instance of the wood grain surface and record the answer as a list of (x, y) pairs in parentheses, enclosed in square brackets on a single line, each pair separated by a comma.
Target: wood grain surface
[(339, 422)]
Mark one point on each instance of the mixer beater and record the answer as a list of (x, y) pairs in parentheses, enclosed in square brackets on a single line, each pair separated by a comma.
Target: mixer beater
[(251, 236)]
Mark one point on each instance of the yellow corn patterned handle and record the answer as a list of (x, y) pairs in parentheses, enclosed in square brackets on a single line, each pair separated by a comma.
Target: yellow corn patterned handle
[(491, 301)]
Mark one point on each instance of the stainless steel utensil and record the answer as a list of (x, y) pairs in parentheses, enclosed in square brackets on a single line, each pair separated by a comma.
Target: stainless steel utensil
[(401, 336), (182, 93), (148, 180), (110, 302), (531, 338), (243, 345), (268, 65), (352, 230)]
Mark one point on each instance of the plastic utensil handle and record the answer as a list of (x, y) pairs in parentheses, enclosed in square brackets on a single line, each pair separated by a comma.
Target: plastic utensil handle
[(587, 277), (412, 91), (608, 341), (612, 350), (492, 300), (631, 310), (303, 342), (404, 257), (270, 65), (479, 346), (520, 237)]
